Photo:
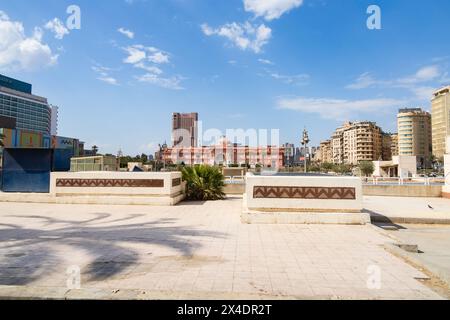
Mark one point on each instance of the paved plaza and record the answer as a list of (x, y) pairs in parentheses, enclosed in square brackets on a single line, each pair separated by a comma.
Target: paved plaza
[(193, 250)]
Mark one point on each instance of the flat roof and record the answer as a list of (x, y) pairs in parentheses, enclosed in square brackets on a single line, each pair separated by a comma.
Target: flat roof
[(15, 84)]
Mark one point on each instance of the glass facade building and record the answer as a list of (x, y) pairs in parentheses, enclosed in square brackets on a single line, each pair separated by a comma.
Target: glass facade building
[(30, 111)]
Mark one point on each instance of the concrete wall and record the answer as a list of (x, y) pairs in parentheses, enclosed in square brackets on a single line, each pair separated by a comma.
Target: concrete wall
[(103, 187), (407, 165), (402, 191), (300, 193), (446, 188), (234, 189), (372, 190), (116, 183)]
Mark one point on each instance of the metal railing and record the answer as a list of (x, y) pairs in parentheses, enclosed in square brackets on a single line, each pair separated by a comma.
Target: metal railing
[(234, 179), (426, 181)]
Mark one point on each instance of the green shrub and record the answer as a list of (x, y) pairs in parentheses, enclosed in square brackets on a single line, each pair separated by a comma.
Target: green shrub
[(367, 168), (203, 183)]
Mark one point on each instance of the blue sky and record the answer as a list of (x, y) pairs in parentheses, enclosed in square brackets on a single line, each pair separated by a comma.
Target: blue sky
[(263, 64)]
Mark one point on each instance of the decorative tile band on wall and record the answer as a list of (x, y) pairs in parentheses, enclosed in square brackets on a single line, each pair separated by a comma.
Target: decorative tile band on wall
[(110, 183), (176, 182), (325, 193)]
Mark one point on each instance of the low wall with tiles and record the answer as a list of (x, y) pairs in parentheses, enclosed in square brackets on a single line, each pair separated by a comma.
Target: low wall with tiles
[(303, 199), (137, 187)]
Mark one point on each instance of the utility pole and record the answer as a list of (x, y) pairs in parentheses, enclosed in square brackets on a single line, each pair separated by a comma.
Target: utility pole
[(305, 141)]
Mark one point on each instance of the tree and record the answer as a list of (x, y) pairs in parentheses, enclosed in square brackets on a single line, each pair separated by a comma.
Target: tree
[(367, 168), (144, 158), (326, 166), (342, 169), (204, 183)]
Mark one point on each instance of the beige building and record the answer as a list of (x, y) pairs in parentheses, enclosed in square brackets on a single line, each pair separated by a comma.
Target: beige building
[(184, 129), (440, 111), (337, 143), (414, 135), (362, 142), (394, 145), (387, 142), (326, 152)]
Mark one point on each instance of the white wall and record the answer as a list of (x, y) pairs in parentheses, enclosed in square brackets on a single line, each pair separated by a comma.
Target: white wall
[(407, 165), (328, 205), (166, 190)]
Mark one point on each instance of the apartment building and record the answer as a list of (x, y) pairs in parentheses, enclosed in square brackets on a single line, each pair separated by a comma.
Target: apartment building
[(394, 145), (414, 135), (337, 143), (362, 142), (326, 152), (440, 120)]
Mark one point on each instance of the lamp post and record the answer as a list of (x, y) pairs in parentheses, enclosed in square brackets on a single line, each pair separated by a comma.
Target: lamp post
[(119, 155), (305, 141)]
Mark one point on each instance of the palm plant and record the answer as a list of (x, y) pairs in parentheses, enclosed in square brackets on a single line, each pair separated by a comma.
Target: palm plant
[(203, 183)]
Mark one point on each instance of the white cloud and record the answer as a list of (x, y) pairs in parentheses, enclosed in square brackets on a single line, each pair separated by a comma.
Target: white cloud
[(135, 54), (245, 36), (271, 9), (150, 59), (299, 79), (158, 57), (265, 61), (104, 75), (138, 53), (173, 83), (420, 83), (423, 93), (127, 33), (364, 81), (424, 74), (57, 27), (338, 109), (151, 69), (19, 52)]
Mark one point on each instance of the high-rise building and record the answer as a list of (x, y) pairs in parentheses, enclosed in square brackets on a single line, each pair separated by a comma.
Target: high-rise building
[(54, 122), (440, 120), (387, 146), (362, 142), (414, 135), (289, 153), (394, 145), (30, 112), (337, 143), (185, 129), (326, 152)]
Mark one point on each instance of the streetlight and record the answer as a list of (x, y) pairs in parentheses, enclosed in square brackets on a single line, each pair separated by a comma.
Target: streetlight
[(119, 155), (305, 141)]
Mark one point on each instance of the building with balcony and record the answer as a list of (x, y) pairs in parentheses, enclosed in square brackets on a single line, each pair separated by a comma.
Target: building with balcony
[(362, 142), (440, 120), (414, 135), (337, 143), (29, 111), (326, 152)]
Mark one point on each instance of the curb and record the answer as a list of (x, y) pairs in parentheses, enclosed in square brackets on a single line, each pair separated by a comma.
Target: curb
[(409, 220)]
